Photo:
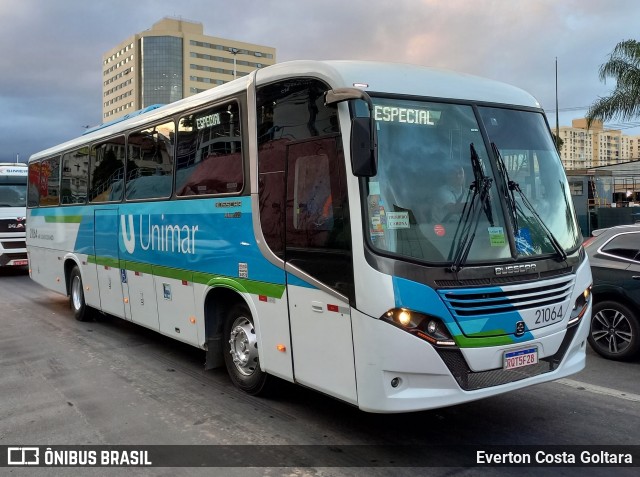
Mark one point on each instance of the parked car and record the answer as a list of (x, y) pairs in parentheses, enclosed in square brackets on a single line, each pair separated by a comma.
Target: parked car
[(614, 254)]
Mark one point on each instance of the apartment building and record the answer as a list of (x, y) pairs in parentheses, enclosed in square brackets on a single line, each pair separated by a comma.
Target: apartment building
[(170, 61), (584, 148)]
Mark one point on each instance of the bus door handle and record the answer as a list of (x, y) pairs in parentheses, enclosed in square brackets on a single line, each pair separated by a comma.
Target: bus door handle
[(317, 307)]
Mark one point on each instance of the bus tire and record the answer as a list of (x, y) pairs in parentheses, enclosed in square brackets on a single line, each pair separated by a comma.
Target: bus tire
[(240, 349), (76, 296)]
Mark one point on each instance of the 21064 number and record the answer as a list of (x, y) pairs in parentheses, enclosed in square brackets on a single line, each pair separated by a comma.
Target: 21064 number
[(548, 315)]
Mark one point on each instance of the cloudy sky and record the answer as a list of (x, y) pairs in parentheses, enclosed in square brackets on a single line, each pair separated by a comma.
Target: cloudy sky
[(51, 51)]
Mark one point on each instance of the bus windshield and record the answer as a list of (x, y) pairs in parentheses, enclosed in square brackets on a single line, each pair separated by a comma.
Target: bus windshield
[(436, 186)]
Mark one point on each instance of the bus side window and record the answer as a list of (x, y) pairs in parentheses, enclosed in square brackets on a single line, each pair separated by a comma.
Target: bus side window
[(74, 177), (106, 170), (209, 157), (33, 186), (150, 162), (50, 181)]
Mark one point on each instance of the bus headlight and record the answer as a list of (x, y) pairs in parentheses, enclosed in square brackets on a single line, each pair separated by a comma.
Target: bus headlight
[(580, 306), (428, 328)]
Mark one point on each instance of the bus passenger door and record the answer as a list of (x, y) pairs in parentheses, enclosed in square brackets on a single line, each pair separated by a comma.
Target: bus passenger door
[(110, 278), (319, 267)]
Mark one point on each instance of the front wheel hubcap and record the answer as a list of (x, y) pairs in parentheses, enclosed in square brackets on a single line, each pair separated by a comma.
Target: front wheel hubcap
[(76, 293), (243, 346)]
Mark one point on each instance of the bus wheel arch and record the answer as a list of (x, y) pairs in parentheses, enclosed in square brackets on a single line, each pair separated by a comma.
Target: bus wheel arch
[(217, 303), (231, 339)]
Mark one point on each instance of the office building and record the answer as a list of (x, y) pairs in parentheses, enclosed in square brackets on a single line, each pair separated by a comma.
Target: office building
[(171, 61)]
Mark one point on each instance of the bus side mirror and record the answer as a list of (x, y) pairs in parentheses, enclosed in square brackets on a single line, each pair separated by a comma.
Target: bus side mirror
[(364, 140), (364, 148)]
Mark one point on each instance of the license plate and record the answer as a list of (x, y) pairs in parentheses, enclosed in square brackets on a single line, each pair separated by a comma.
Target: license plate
[(19, 263), (519, 358)]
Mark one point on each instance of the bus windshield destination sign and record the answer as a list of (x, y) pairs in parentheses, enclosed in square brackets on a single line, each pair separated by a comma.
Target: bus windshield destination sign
[(393, 114)]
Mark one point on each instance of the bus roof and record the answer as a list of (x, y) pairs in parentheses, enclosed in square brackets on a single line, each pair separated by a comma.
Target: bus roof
[(371, 76), (401, 78)]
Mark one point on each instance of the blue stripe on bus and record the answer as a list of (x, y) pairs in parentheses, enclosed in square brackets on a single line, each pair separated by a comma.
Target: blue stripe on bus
[(209, 235), (422, 298)]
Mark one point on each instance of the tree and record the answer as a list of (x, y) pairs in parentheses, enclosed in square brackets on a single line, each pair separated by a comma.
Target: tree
[(624, 101), (558, 141)]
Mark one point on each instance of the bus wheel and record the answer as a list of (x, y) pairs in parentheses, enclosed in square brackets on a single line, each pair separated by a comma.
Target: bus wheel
[(76, 296), (241, 351)]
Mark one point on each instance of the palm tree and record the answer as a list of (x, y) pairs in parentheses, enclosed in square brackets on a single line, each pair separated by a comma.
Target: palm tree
[(624, 101)]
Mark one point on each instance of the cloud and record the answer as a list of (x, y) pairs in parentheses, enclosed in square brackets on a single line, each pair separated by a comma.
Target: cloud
[(51, 83)]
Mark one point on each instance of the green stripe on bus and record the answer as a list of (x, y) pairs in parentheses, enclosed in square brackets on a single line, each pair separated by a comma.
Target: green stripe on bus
[(242, 285), (106, 261), (63, 219), (481, 342), (137, 267), (271, 290)]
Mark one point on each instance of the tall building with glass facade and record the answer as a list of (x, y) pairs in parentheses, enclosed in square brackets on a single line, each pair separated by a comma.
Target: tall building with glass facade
[(170, 61)]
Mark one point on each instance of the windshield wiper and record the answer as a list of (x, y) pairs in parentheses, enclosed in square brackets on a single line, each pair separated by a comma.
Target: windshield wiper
[(514, 207), (510, 187), (470, 218)]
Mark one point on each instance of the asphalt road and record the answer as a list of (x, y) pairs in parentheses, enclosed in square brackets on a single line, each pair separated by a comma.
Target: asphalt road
[(64, 382)]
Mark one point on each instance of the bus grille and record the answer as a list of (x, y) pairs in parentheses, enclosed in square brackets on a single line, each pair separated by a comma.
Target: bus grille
[(470, 302), (14, 245), (472, 380)]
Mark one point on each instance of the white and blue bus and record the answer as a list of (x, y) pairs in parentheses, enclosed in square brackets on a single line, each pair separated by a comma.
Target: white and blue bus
[(294, 223), (13, 201)]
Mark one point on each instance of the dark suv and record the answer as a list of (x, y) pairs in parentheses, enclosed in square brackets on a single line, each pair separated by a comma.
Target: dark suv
[(614, 254)]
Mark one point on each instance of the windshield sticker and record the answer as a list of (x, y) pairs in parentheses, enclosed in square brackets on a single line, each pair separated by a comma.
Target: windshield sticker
[(496, 237), (524, 245), (378, 216), (439, 230), (374, 188), (376, 227), (398, 220)]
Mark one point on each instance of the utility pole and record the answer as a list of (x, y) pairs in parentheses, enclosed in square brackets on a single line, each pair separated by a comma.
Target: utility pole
[(557, 120), (234, 52)]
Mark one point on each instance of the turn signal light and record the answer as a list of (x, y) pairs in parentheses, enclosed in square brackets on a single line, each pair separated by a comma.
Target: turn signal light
[(580, 306)]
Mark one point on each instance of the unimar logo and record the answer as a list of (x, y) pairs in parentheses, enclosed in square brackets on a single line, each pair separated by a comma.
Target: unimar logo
[(153, 233)]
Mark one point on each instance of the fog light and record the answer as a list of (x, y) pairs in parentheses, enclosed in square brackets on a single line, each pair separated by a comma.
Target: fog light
[(395, 382), (432, 327)]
